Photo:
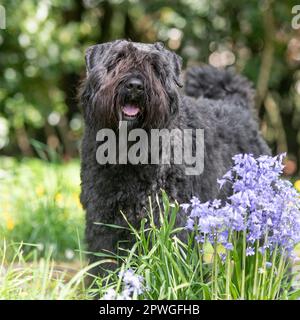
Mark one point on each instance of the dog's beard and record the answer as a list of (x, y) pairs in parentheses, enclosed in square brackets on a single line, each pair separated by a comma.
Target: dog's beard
[(143, 112), (111, 104), (129, 108), (107, 107)]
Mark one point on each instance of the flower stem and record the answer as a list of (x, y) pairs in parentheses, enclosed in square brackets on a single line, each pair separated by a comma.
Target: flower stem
[(200, 251), (279, 277), (272, 272), (215, 291), (256, 270), (228, 271), (262, 285), (243, 266)]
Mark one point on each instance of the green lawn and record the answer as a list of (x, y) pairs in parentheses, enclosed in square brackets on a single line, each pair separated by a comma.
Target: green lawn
[(40, 205)]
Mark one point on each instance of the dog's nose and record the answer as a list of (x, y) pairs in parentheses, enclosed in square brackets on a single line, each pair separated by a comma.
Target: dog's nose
[(135, 85)]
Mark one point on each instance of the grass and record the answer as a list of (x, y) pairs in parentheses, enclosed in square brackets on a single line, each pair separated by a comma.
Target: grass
[(41, 231), (41, 247), (40, 205), (173, 269), (29, 277)]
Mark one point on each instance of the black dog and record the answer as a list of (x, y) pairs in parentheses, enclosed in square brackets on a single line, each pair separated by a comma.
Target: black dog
[(139, 83)]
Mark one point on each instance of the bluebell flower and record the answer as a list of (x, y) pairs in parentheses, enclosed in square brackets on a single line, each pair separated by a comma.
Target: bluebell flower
[(262, 204), (190, 224), (132, 285), (223, 257), (250, 251), (110, 294), (133, 282), (185, 206), (268, 264), (228, 246)]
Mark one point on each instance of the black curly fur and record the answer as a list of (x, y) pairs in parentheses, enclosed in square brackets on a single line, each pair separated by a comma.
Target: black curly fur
[(217, 101)]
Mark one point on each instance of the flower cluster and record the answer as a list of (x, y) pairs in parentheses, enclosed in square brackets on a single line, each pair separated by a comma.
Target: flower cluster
[(133, 285), (264, 206)]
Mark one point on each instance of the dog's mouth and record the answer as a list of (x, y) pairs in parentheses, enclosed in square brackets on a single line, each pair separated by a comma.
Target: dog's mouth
[(131, 111)]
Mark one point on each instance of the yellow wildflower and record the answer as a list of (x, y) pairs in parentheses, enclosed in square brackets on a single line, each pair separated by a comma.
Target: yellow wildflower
[(297, 185), (58, 197), (77, 200), (40, 190), (10, 224)]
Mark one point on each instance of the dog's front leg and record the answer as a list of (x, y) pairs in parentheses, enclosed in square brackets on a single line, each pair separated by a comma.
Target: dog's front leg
[(102, 244)]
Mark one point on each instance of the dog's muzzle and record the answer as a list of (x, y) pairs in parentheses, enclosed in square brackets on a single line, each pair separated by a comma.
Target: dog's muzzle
[(132, 108)]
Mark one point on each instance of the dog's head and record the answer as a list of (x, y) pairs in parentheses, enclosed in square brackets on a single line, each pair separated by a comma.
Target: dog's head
[(128, 81)]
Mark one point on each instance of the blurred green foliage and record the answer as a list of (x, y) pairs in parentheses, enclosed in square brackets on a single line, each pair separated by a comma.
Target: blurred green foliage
[(40, 206), (42, 60)]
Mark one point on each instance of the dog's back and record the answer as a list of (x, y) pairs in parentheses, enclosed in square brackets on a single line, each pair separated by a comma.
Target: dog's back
[(218, 84)]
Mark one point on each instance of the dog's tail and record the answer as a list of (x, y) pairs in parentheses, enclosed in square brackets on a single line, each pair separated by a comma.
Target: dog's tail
[(218, 84)]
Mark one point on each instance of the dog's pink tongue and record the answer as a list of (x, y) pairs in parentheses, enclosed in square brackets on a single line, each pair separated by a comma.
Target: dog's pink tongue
[(131, 110)]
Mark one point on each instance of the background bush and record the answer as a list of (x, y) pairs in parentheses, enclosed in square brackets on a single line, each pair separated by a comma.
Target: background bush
[(42, 60)]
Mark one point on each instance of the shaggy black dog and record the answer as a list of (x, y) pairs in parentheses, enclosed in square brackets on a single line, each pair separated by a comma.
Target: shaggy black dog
[(140, 84)]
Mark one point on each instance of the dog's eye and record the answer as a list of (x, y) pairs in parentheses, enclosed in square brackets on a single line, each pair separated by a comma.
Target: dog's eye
[(120, 56), (156, 68), (110, 67), (159, 70), (116, 60)]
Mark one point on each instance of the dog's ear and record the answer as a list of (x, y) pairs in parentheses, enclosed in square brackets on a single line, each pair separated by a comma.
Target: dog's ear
[(177, 63), (96, 55), (175, 59)]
